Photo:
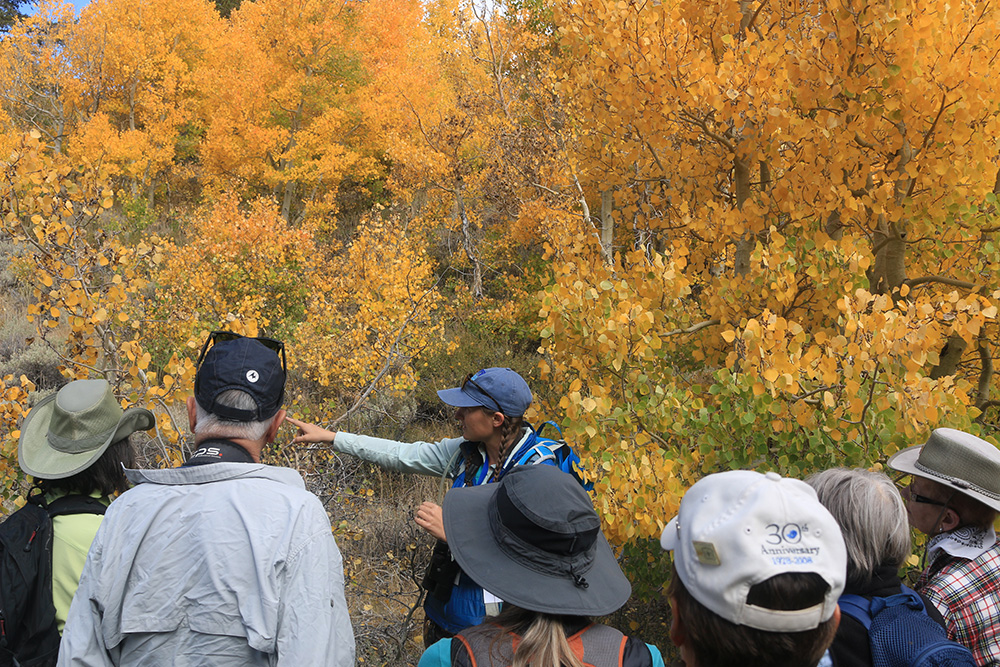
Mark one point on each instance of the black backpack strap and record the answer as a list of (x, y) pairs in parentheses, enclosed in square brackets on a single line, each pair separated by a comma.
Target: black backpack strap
[(76, 504), (28, 634)]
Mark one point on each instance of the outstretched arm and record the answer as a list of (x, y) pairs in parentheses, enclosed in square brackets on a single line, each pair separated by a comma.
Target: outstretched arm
[(311, 432), (423, 458)]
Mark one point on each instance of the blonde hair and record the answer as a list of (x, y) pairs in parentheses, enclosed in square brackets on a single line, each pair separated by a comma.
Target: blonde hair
[(543, 638)]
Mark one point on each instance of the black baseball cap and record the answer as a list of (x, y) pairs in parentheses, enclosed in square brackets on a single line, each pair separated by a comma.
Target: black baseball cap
[(245, 364)]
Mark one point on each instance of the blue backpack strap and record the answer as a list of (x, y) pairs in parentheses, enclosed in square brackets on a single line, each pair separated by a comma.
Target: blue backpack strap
[(915, 595), (857, 608), (551, 423), (534, 450), (539, 453), (908, 597)]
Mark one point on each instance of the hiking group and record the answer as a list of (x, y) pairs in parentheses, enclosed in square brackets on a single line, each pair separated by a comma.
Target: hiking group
[(227, 561)]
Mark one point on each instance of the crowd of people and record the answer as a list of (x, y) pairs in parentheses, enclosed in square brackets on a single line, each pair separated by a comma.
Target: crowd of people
[(227, 561)]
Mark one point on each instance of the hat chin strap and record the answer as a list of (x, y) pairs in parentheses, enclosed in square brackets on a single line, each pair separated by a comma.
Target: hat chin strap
[(784, 620)]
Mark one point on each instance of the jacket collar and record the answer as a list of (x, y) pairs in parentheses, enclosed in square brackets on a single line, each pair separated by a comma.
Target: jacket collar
[(215, 473)]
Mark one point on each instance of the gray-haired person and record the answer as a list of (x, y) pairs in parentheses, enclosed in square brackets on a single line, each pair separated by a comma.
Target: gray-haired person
[(872, 520), (223, 561)]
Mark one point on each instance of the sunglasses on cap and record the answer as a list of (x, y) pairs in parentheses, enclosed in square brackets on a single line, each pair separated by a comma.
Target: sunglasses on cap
[(217, 337), (468, 380)]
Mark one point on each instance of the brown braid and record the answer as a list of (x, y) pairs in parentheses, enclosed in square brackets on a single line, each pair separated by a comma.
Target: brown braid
[(510, 433)]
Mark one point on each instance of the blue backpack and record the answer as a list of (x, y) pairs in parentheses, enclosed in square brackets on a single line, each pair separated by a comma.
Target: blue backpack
[(555, 450), (902, 634)]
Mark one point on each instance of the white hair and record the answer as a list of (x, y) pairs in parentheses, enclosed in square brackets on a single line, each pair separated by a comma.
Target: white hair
[(213, 426), (872, 518)]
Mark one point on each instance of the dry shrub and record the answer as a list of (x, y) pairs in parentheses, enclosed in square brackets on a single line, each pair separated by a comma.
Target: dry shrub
[(385, 553)]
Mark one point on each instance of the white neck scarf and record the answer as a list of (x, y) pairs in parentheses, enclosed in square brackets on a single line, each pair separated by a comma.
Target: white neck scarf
[(968, 542)]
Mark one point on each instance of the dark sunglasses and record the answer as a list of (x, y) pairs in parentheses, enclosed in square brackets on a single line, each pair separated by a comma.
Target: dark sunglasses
[(468, 380), (217, 337), (917, 498), (908, 494)]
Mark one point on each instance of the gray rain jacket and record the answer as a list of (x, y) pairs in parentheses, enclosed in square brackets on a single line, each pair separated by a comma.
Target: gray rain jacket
[(221, 564)]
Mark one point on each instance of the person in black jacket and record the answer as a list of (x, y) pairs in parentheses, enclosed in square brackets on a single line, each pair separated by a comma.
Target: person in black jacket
[(872, 519)]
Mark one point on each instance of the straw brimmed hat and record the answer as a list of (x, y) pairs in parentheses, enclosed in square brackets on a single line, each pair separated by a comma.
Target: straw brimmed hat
[(959, 460), (69, 430), (535, 541)]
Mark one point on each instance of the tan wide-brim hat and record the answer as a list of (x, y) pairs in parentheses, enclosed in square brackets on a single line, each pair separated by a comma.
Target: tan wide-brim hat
[(66, 432), (959, 460)]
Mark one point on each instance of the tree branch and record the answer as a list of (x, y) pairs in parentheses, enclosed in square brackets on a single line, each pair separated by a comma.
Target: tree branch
[(816, 391), (693, 328), (390, 358), (944, 280), (985, 374)]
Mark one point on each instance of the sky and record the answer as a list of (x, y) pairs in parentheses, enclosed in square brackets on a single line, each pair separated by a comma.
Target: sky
[(28, 7)]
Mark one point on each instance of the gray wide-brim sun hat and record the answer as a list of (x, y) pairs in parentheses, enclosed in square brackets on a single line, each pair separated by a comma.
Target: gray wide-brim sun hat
[(959, 460), (69, 430), (535, 541)]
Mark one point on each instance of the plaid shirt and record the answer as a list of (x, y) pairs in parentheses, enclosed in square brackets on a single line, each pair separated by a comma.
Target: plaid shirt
[(967, 593)]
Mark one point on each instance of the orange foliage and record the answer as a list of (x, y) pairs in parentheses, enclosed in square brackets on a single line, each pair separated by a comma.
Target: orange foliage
[(86, 283), (800, 197)]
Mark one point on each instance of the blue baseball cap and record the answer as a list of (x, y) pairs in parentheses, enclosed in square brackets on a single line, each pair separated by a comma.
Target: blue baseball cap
[(245, 364), (499, 389)]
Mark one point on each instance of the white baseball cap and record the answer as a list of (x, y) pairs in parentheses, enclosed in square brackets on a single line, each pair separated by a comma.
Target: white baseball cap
[(739, 528)]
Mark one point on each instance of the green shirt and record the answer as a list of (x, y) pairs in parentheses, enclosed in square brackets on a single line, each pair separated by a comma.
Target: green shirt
[(71, 538)]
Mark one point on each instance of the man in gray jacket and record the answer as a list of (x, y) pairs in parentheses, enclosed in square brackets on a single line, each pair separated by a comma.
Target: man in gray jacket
[(223, 561)]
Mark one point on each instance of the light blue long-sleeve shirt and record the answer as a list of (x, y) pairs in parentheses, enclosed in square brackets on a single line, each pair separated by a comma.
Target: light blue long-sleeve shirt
[(422, 458)]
